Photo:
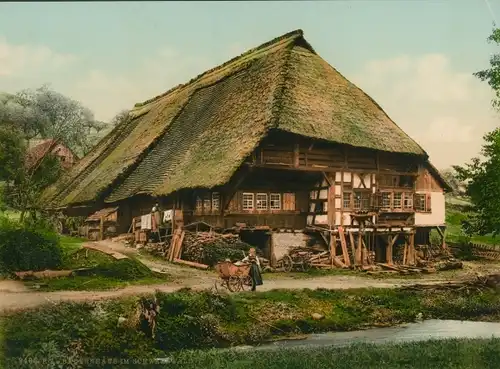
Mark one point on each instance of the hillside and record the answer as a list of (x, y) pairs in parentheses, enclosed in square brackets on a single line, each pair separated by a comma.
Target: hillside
[(456, 211)]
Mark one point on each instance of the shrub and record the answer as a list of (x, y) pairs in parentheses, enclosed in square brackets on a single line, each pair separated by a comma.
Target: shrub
[(26, 247)]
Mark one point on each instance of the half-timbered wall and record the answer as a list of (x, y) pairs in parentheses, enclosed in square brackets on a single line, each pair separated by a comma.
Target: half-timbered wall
[(430, 204)]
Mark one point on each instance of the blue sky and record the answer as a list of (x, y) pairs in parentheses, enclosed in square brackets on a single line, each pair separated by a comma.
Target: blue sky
[(415, 58)]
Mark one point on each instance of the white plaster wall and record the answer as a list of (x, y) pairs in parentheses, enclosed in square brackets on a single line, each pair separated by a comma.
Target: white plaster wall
[(321, 219), (346, 216), (282, 242), (437, 214)]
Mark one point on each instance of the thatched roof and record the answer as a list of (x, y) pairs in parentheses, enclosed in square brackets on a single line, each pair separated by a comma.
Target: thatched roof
[(199, 133)]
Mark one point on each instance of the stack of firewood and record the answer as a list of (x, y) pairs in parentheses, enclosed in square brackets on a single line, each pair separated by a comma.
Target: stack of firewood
[(209, 247)]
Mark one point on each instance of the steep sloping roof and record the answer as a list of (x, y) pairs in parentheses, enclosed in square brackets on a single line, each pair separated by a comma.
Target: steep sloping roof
[(198, 134), (38, 150)]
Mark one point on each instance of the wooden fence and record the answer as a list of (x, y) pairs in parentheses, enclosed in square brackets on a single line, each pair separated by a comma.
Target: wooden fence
[(490, 252)]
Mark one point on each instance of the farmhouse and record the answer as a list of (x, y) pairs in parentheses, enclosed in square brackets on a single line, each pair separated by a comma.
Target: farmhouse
[(40, 148), (274, 144)]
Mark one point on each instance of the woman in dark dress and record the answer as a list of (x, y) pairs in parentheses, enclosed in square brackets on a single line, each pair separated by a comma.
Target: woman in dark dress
[(255, 270)]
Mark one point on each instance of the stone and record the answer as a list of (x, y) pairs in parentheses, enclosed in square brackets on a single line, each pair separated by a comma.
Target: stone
[(317, 316), (121, 320)]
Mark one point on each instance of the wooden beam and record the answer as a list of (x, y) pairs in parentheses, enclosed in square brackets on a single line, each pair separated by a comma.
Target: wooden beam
[(389, 252), (333, 246), (231, 189), (296, 152), (358, 258), (343, 243), (101, 228), (321, 169), (353, 246)]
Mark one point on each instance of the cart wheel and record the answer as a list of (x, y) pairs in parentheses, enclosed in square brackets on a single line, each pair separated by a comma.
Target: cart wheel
[(234, 284), (246, 283), (306, 266), (287, 263)]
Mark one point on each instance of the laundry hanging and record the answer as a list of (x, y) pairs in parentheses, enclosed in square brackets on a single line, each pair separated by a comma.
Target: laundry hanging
[(167, 215), (146, 221)]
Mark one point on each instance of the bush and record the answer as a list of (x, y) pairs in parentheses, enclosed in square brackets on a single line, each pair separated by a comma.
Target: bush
[(26, 247)]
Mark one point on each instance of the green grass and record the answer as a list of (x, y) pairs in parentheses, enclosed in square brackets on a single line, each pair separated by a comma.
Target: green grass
[(190, 320), (456, 212), (445, 354)]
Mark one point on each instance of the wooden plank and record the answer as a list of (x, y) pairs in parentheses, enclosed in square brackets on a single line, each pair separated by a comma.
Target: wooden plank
[(358, 259), (333, 246), (191, 263), (101, 228), (179, 245), (343, 243)]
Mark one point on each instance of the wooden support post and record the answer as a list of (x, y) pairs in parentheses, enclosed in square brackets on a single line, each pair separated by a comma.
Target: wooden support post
[(272, 258), (405, 251), (343, 243), (353, 247), (101, 228), (358, 250), (390, 247), (333, 246), (412, 248)]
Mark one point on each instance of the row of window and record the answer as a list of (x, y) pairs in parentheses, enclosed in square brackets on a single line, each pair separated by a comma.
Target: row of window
[(208, 203), (363, 200), (261, 201)]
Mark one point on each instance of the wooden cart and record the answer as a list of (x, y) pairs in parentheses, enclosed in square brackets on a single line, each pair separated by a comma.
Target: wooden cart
[(233, 277)]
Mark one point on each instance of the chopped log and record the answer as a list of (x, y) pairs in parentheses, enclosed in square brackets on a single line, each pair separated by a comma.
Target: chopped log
[(44, 274), (191, 264), (338, 263), (449, 265), (389, 267)]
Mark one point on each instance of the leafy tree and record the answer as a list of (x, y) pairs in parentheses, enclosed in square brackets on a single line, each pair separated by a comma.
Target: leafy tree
[(483, 187), (482, 174), (492, 74)]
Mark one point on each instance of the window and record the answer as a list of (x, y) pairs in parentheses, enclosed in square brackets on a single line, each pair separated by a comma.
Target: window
[(199, 204), (248, 201), (420, 202), (398, 197), (386, 200), (207, 204), (346, 200), (261, 201), (276, 201), (408, 201), (215, 201), (361, 200)]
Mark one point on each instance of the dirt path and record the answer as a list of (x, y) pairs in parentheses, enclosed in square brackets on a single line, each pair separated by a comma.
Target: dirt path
[(14, 295)]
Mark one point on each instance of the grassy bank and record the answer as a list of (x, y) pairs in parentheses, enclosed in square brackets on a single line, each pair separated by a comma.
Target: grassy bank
[(447, 354), (189, 320)]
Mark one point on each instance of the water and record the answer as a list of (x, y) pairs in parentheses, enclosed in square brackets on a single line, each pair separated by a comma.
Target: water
[(422, 331)]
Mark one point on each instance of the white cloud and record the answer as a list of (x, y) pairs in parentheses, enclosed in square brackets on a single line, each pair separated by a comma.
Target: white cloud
[(445, 110), (106, 93), (18, 59)]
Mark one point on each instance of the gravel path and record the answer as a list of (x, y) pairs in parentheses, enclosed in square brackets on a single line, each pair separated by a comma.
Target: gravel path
[(14, 295)]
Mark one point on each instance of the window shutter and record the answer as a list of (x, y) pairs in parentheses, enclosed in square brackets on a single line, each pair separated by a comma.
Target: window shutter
[(416, 202), (428, 202), (289, 201)]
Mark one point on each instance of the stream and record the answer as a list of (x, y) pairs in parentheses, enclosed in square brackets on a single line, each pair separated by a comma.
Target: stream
[(412, 332), (422, 331)]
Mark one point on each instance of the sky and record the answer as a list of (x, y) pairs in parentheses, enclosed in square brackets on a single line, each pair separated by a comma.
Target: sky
[(415, 58)]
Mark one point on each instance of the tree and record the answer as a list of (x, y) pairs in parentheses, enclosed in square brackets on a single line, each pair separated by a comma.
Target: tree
[(482, 174), (38, 114), (482, 178), (492, 74), (44, 113)]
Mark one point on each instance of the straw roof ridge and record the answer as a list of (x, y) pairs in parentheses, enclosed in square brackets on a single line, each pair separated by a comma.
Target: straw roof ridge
[(290, 35)]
